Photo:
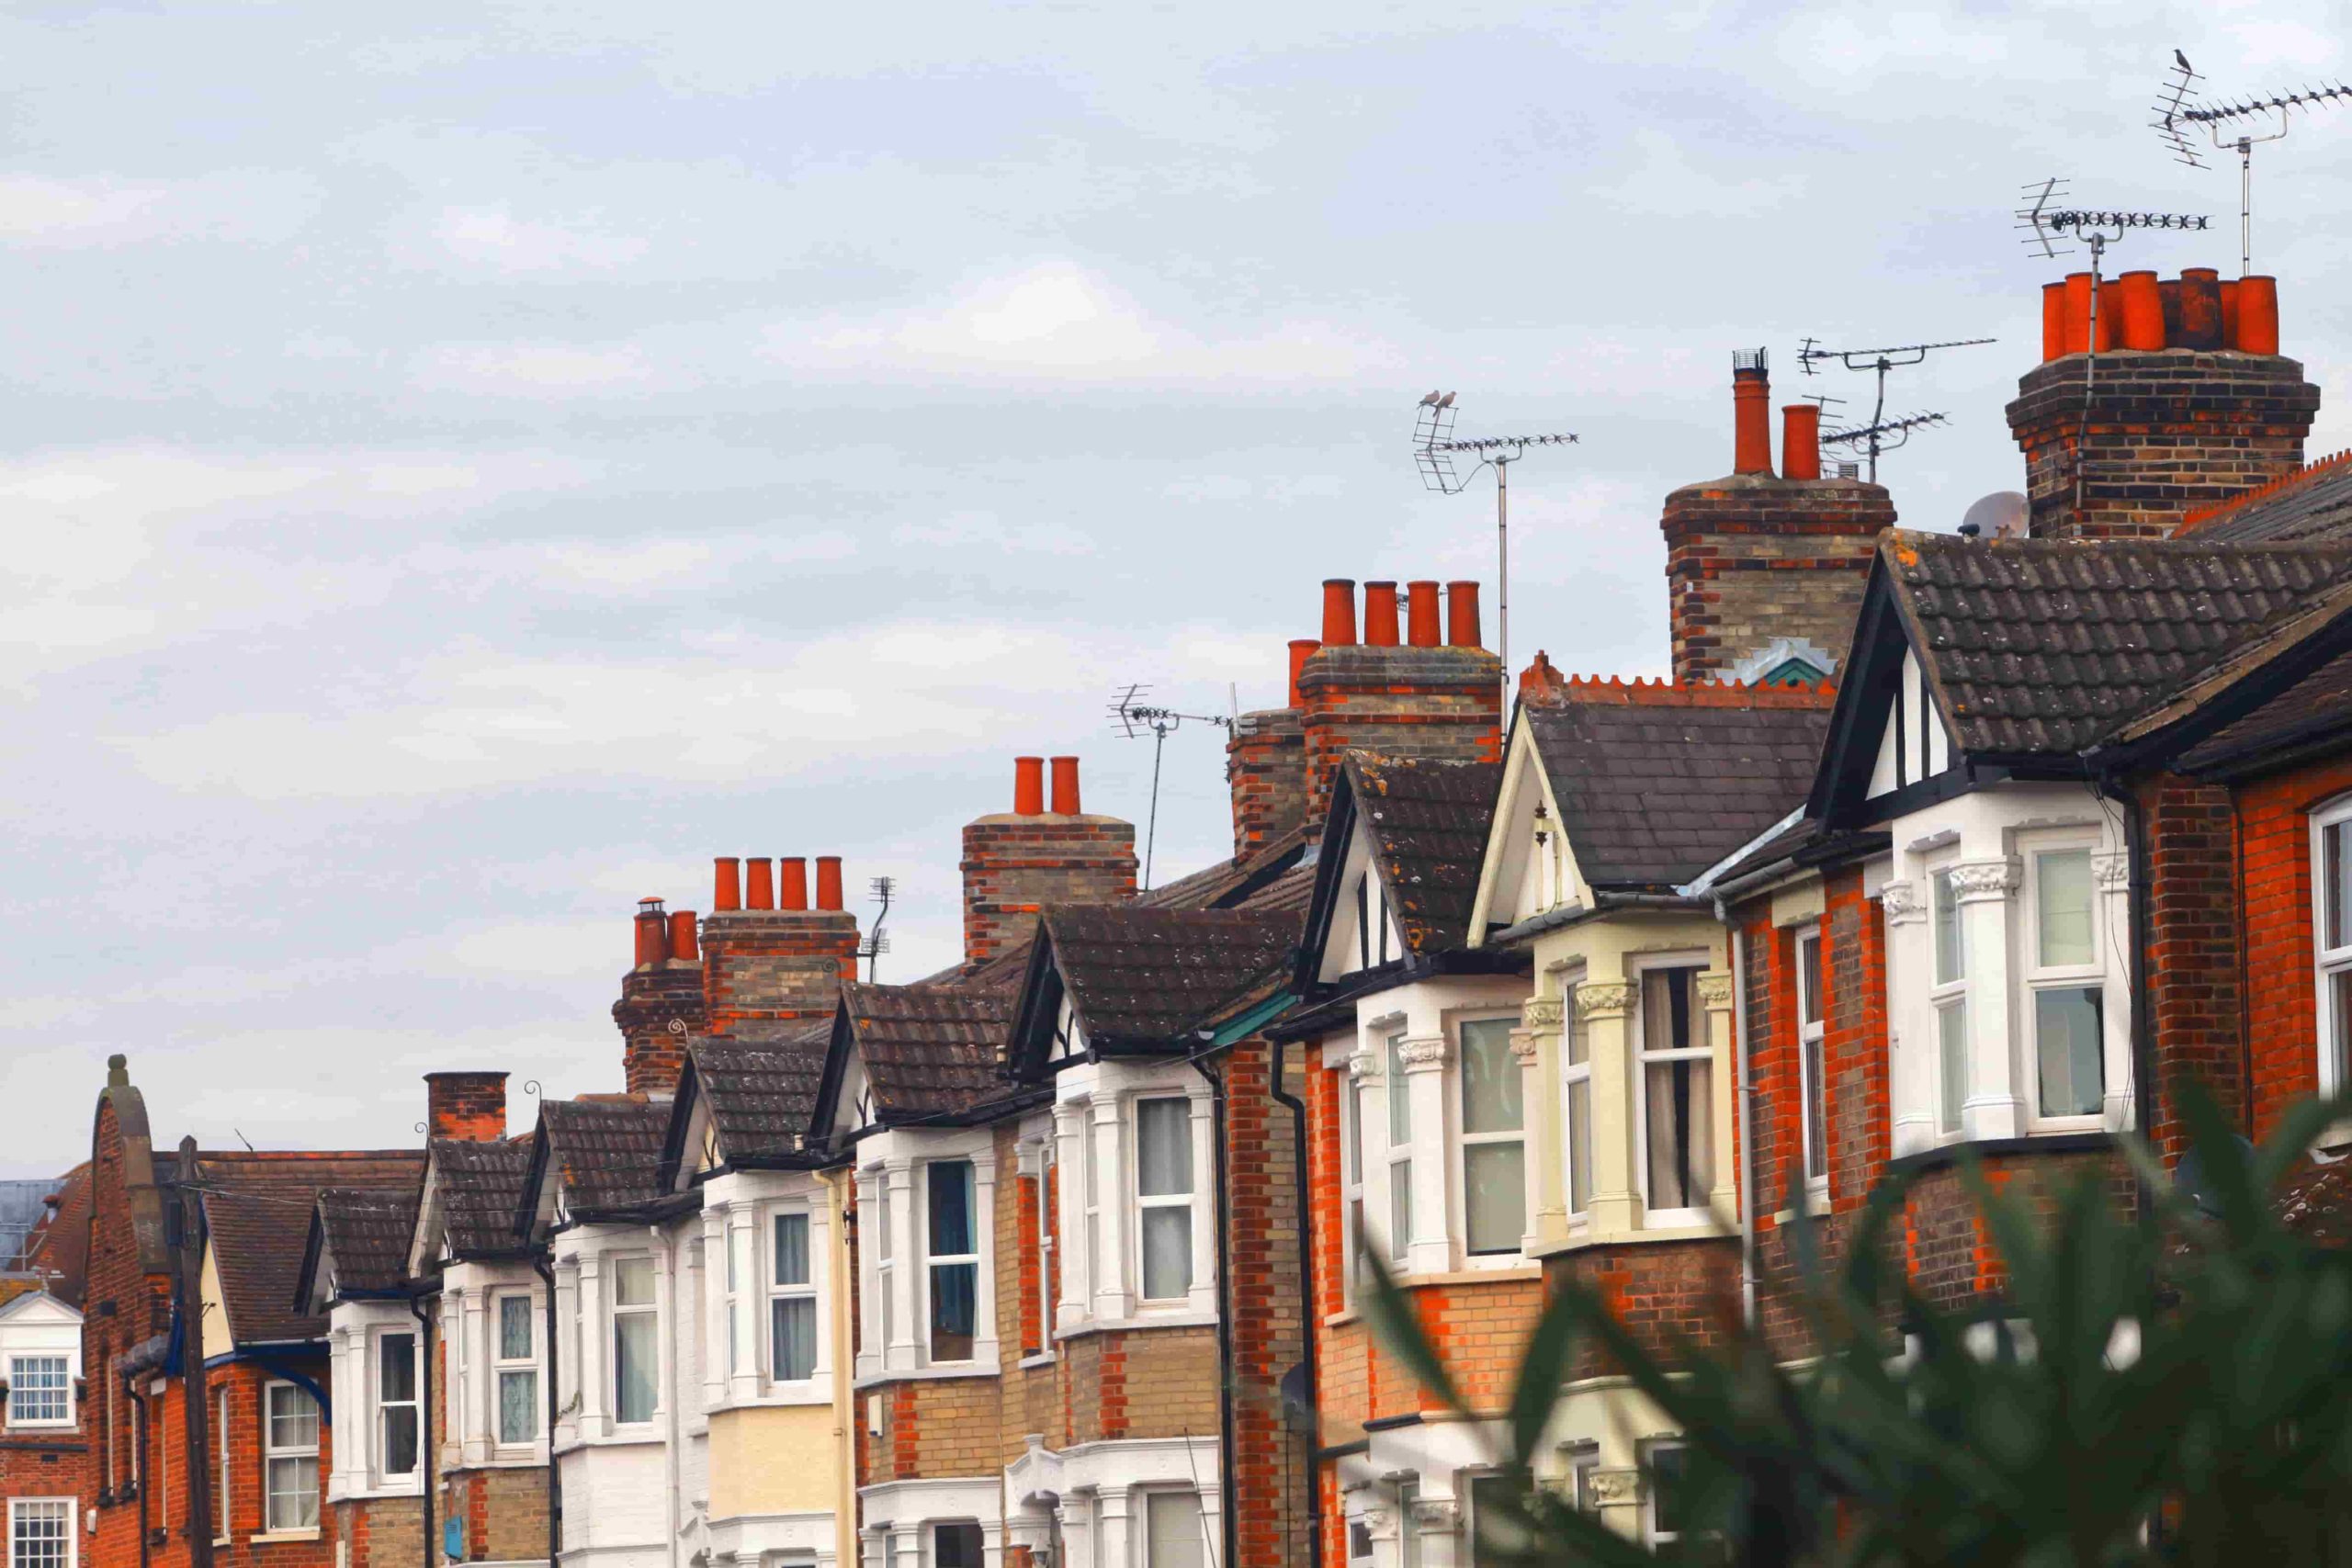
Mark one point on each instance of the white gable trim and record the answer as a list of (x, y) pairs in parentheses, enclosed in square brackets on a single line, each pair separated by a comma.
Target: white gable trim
[(1508, 876), (1362, 932), (1913, 743)]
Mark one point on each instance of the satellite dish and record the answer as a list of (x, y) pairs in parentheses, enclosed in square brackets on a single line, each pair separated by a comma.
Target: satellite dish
[(2000, 515)]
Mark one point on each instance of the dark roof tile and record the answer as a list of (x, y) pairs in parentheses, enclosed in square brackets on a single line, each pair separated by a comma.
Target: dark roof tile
[(1143, 975), (607, 1152), (931, 1049), (368, 1235), (759, 1081), (1426, 820), (479, 1182), (256, 1208)]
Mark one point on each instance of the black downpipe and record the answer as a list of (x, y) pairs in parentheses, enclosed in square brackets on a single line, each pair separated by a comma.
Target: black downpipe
[(1305, 1296), (545, 1271), (1226, 1439), (425, 1445), (139, 1442)]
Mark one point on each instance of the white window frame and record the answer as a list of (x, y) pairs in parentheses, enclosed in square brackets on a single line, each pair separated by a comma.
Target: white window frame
[(503, 1367), (224, 1497), (1458, 1093), (1652, 1535), (1048, 1200), (1353, 1161), (1702, 1029), (1397, 1100), (379, 1408), (1090, 1205), (802, 1290), (55, 1507), (1142, 1499), (932, 1260), (2092, 977), (2327, 962), (1573, 1075), (650, 1307), (272, 1453), (1948, 994), (1813, 1015), (885, 1263), (17, 1362), (1188, 1200)]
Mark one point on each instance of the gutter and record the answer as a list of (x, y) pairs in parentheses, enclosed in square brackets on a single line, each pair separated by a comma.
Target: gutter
[(140, 1461), (1227, 1442), (1602, 904)]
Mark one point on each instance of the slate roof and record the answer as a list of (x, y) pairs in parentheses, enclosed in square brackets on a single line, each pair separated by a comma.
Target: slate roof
[(58, 1248), (1229, 884), (479, 1181), (256, 1208), (1290, 893), (1151, 976), (2320, 702), (759, 1082), (931, 1049), (607, 1152), (2050, 645), (368, 1235), (1427, 822), (1655, 792), (2313, 504)]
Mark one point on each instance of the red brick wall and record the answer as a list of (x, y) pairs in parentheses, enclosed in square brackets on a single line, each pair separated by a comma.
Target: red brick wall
[(2192, 949), (1013, 866), (122, 1306), (1752, 558), (466, 1105), (2280, 1009), (1266, 773), (1396, 702), (775, 963)]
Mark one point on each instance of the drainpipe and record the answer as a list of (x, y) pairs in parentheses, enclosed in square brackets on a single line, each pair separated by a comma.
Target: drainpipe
[(426, 1446), (674, 1423), (1232, 1524), (545, 1268), (145, 1460), (1747, 1102), (844, 1407), (1306, 1295)]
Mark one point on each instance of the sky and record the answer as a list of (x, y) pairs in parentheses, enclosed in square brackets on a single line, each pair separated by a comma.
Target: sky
[(465, 466)]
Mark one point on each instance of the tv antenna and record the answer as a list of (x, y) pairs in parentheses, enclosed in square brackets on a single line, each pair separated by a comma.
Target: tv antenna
[(2180, 112), (2055, 229), (1135, 717), (1434, 451), (1872, 436), (878, 943)]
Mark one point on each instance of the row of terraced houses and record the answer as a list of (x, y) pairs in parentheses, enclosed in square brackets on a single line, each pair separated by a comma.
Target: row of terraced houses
[(1933, 841)]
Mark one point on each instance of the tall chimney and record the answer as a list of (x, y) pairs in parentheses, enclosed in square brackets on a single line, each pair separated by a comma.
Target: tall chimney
[(1015, 863), (1420, 700), (471, 1106), (661, 989), (1751, 413), (771, 963)]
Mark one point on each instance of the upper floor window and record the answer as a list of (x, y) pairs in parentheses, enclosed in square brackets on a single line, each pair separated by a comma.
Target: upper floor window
[(792, 1301), (1950, 994), (634, 1379), (1494, 1150), (41, 1391), (222, 1517), (2064, 976), (1352, 1136), (289, 1448), (396, 1407), (1811, 1064), (518, 1370), (1576, 1129), (2332, 938), (1677, 1082), (1164, 1197), (954, 1251), (1400, 1149), (886, 1266)]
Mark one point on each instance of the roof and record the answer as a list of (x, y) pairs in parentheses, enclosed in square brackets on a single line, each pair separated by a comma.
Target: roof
[(760, 1082), (478, 1182), (58, 1248), (607, 1152), (1230, 882), (928, 1050), (1654, 792), (1426, 820), (2314, 502), (368, 1233), (1151, 976), (255, 1211), (2050, 645), (1290, 893), (2319, 703)]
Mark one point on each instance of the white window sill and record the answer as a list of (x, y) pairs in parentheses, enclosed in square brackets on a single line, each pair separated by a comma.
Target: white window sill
[(1175, 1317), (785, 1396), (1519, 1270), (273, 1537), (1042, 1358), (920, 1374), (37, 1428)]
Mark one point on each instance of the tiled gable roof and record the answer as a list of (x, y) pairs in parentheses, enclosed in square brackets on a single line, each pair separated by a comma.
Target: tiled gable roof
[(1229, 883), (256, 1209), (368, 1235), (59, 1247), (2320, 701), (2050, 645), (1145, 975), (2312, 503), (930, 1049), (1656, 791), (607, 1153), (759, 1083), (1427, 822), (479, 1181)]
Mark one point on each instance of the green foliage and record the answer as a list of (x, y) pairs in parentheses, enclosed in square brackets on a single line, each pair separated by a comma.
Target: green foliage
[(2168, 1381)]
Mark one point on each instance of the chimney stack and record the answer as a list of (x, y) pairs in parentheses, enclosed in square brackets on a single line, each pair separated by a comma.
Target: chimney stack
[(1015, 864), (468, 1106), (1420, 700), (1751, 413), (776, 962), (665, 985)]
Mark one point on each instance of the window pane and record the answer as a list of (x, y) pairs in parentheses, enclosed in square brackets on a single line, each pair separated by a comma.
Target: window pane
[(1400, 1208), (1665, 1009), (1495, 1176), (1164, 1147), (1498, 1534), (1166, 1252), (1400, 1103), (2339, 991), (293, 1417), (955, 1546), (1809, 978), (633, 1381), (1678, 1119), (293, 1493), (1353, 1152), (1490, 1078), (2066, 1031), (792, 1249), (518, 1407), (1356, 1240), (1951, 1044), (40, 1535), (953, 1303), (1951, 958), (792, 1323), (1579, 1145), (2064, 889), (1175, 1530), (399, 1439), (950, 1185), (1816, 1112), (2336, 845), (1669, 1468), (1580, 1041), (36, 1389), (633, 1281), (514, 1328), (396, 1368)]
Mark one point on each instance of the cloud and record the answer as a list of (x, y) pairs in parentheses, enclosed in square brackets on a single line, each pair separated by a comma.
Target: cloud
[(492, 238)]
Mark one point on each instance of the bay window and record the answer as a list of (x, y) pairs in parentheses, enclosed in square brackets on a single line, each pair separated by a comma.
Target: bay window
[(518, 1370), (1400, 1149), (1352, 1142), (792, 1301), (1950, 997), (886, 1266), (2064, 982), (952, 1249), (1173, 1534), (1664, 1505), (289, 1440), (1575, 1120), (1676, 1075), (41, 1391), (396, 1407), (634, 1341), (1812, 1086), (2332, 941), (1494, 1150), (1164, 1197)]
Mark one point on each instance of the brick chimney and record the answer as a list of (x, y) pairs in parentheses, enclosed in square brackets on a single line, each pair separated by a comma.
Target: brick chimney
[(1016, 862), (471, 1106), (663, 987), (1426, 697), (765, 952), (2190, 403), (1754, 558), (1265, 766)]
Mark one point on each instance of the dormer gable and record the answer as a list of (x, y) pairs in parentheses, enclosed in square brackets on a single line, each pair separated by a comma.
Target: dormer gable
[(1399, 866), (1530, 867)]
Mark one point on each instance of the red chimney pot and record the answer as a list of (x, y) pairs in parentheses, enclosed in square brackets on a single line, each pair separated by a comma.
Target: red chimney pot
[(1462, 615), (1302, 649), (2257, 315), (1028, 786), (1380, 614), (829, 882), (1066, 787), (759, 883), (681, 937), (1339, 612), (792, 883), (1751, 420), (1421, 614), (727, 889), (1801, 440)]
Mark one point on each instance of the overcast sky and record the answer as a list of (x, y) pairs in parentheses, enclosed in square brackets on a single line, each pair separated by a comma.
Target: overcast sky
[(465, 466)]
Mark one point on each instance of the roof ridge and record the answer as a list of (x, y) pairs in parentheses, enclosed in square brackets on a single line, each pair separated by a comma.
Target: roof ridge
[(1543, 682), (2201, 516)]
